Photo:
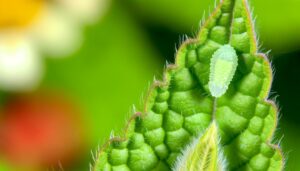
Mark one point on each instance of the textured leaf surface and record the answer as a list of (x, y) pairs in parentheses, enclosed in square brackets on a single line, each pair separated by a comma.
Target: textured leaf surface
[(180, 107)]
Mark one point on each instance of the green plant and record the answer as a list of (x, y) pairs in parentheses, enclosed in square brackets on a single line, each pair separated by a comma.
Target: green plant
[(203, 154), (181, 107)]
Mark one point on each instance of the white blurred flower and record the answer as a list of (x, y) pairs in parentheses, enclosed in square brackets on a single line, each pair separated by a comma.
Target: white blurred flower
[(20, 65), (55, 33), (85, 10), (29, 28)]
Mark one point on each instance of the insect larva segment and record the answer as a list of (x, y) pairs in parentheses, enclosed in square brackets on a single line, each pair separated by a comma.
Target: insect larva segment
[(223, 65)]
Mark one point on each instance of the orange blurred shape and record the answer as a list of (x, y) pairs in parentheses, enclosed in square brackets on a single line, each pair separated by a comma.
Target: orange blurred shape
[(40, 131), (18, 13)]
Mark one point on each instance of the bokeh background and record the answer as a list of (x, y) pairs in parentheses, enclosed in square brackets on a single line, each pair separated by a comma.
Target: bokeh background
[(86, 64)]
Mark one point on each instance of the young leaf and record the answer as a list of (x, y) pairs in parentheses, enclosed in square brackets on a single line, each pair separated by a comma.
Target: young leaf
[(202, 154), (181, 106)]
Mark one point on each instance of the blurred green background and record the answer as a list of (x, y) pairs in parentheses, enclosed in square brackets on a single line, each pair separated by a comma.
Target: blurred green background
[(123, 51)]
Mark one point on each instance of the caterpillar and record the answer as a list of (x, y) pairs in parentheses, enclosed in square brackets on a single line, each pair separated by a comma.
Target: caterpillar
[(223, 65)]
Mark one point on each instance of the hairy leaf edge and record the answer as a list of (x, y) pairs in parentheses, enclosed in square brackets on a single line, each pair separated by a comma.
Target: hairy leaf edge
[(166, 79)]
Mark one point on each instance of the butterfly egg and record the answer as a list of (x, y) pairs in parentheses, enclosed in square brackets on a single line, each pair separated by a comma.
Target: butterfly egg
[(223, 65)]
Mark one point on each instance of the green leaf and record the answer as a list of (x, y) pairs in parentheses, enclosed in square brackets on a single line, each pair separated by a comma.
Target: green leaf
[(202, 154), (180, 107)]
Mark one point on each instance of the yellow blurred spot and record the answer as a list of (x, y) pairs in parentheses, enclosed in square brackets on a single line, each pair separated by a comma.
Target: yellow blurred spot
[(19, 13)]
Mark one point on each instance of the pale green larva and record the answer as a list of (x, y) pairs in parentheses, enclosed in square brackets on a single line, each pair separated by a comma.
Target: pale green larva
[(223, 65)]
